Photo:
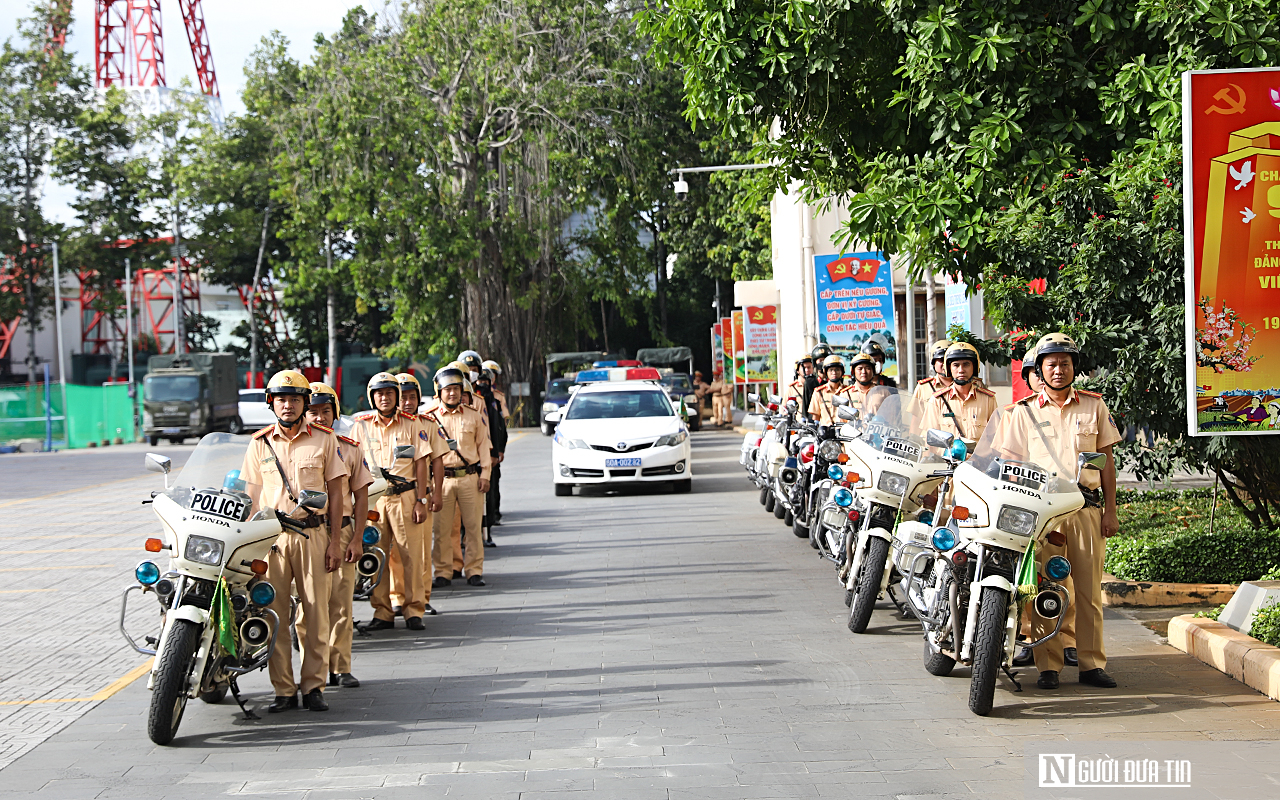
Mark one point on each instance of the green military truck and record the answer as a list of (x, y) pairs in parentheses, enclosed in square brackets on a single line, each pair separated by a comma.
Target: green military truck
[(190, 395)]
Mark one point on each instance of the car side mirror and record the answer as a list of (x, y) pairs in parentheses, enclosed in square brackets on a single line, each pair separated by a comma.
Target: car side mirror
[(403, 451), (155, 462), (936, 438), (1094, 461), (312, 500), (554, 416), (840, 400), (847, 414)]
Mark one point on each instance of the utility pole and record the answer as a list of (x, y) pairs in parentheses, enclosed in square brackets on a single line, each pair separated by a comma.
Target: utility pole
[(62, 353), (128, 338), (179, 335)]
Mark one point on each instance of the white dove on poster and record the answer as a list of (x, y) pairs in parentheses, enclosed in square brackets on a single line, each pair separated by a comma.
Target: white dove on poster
[(1244, 175), (1248, 215)]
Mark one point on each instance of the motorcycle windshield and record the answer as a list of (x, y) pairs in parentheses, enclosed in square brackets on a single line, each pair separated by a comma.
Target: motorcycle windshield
[(889, 425), (1016, 449), (213, 469)]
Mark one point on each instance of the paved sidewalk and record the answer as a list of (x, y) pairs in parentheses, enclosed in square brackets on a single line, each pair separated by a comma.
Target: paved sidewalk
[(638, 645)]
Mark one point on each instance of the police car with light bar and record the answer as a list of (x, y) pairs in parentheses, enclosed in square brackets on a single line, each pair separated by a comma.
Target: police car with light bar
[(620, 426)]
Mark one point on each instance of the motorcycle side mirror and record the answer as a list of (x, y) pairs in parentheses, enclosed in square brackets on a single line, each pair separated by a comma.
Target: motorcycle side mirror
[(155, 462), (403, 451), (840, 400), (847, 414), (792, 405), (936, 438), (752, 397), (1094, 461), (312, 500)]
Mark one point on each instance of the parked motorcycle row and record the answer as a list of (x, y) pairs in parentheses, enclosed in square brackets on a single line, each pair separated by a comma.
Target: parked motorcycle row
[(946, 529)]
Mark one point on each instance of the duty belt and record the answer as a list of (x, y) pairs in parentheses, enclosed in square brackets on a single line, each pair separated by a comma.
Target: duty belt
[(461, 472), (1092, 497), (401, 488)]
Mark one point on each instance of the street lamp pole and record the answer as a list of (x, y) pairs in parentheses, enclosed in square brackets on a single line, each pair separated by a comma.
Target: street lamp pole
[(62, 354), (128, 337)]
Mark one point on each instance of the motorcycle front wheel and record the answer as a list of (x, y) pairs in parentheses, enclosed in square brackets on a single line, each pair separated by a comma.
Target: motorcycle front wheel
[(770, 501), (802, 532), (764, 495), (779, 510), (169, 692), (868, 586), (937, 663), (988, 650)]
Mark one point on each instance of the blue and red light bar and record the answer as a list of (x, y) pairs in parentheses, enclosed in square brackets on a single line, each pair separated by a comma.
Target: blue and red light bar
[(618, 374), (607, 364)]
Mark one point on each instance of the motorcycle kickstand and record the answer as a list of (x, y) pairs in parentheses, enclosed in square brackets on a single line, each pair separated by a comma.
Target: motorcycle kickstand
[(235, 693), (902, 608), (1013, 678), (361, 630)]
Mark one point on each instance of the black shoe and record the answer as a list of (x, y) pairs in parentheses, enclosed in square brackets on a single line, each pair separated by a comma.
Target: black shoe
[(346, 680), (314, 701), (457, 573), (333, 679), (1069, 657), (440, 581), (430, 612), (475, 580), (1097, 677), (397, 611), (1048, 680), (490, 543), (282, 703), (415, 624), (376, 624), (1024, 658)]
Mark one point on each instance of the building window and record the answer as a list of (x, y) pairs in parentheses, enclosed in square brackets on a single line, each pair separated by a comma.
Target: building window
[(922, 365), (921, 321)]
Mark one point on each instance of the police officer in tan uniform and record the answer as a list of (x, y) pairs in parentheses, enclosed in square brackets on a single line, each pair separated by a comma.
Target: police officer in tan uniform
[(466, 480), (284, 460), (822, 406), (795, 389), (322, 411), (963, 408), (410, 401), (874, 349), (926, 388), (405, 509), (498, 395), (1054, 427)]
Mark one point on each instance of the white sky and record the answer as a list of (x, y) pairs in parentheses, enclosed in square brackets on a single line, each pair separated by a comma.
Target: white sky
[(235, 28)]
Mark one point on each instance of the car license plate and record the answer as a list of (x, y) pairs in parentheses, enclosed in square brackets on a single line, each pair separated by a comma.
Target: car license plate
[(173, 430), (622, 462)]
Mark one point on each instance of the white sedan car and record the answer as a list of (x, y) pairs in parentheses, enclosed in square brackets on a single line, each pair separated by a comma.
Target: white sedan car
[(620, 432), (254, 411)]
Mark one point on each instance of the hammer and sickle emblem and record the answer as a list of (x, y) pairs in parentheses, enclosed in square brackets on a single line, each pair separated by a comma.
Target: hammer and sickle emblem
[(1234, 106)]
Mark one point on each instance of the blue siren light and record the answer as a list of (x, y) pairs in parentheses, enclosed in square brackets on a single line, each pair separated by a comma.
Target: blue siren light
[(842, 497), (262, 593), (835, 472), (944, 538), (147, 573), (370, 535), (1057, 568)]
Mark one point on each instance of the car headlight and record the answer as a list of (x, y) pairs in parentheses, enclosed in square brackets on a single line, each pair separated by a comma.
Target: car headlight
[(671, 439), (892, 483), (571, 444), (842, 497), (148, 420), (195, 417), (203, 550), (829, 450), (1016, 520), (547, 408)]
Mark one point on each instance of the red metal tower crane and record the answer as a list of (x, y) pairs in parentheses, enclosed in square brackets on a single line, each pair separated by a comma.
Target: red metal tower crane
[(128, 44)]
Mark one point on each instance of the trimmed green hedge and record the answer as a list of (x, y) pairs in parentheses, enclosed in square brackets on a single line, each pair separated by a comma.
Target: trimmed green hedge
[(1164, 536)]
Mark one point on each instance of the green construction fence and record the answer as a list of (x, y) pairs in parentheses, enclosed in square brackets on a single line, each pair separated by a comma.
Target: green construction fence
[(98, 414)]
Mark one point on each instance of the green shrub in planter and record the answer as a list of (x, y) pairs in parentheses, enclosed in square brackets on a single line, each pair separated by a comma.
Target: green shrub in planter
[(1266, 624), (1233, 553)]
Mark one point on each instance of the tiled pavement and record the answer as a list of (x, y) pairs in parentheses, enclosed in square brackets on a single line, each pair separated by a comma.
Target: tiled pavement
[(641, 645)]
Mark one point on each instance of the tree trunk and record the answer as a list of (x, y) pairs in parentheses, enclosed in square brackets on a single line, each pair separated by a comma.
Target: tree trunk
[(930, 310)]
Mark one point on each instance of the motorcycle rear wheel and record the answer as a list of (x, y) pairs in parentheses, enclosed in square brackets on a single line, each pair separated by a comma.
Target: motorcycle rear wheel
[(802, 531), (988, 650), (937, 663), (789, 519), (868, 587), (169, 692), (770, 501), (764, 495), (779, 510)]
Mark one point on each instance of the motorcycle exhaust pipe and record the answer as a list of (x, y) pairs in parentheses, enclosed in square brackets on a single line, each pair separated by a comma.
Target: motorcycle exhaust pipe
[(1048, 604), (368, 565), (255, 632)]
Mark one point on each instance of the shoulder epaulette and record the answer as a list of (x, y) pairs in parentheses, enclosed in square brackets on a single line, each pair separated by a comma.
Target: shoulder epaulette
[(263, 432), (926, 380), (942, 391), (323, 428), (987, 392), (409, 416), (364, 415), (1088, 394), (349, 441)]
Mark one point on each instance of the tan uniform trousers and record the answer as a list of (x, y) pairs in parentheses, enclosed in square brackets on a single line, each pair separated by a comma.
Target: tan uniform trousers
[(1085, 549), (297, 565), (408, 540), (462, 497), (719, 409), (342, 583)]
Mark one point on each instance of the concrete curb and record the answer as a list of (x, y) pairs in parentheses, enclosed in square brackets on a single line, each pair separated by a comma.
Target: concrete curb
[(1253, 663), (1147, 594)]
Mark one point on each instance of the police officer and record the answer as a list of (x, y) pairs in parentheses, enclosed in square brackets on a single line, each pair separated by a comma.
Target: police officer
[(926, 388), (811, 381), (472, 364), (497, 451), (720, 392), (804, 368), (405, 509), (822, 406), (322, 412), (466, 479), (963, 408), (282, 461), (499, 395), (873, 348), (410, 402), (1053, 428)]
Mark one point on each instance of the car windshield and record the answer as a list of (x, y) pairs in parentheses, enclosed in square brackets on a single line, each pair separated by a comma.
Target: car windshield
[(620, 405), (172, 387), (678, 383), (214, 468), (559, 389)]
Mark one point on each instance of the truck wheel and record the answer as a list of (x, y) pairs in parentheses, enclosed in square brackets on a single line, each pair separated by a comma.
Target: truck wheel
[(176, 440), (564, 490), (236, 425), (153, 440)]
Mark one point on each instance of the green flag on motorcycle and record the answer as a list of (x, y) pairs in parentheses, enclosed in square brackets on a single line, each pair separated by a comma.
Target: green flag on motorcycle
[(1027, 583), (223, 618)]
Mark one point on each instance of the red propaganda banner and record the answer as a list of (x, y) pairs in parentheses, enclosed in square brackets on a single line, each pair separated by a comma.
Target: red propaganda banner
[(860, 269), (739, 348), (726, 352), (1231, 165)]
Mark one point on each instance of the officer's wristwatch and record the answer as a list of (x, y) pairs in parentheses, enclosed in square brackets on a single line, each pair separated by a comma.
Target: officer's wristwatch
[(426, 501)]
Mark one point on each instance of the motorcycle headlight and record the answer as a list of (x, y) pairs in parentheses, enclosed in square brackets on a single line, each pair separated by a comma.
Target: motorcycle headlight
[(370, 535), (262, 593), (842, 497), (195, 417), (944, 539), (672, 439), (1057, 568), (892, 483), (835, 472), (203, 550), (1016, 520), (829, 450), (147, 573)]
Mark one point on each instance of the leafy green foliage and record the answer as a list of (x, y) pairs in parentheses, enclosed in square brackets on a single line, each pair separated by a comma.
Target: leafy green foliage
[(1266, 624)]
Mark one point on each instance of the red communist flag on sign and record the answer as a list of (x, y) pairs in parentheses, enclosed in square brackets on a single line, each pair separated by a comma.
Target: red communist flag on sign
[(860, 269), (762, 315)]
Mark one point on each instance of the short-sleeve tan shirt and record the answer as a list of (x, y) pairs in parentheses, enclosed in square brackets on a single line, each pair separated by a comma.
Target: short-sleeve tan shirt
[(381, 436), (358, 477), (469, 428), (1082, 424), (310, 460), (965, 417)]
